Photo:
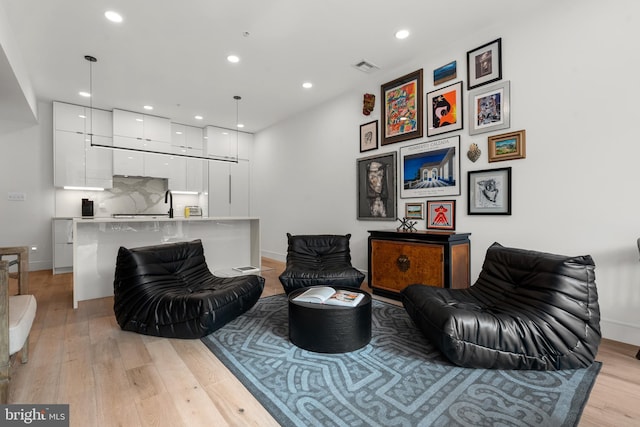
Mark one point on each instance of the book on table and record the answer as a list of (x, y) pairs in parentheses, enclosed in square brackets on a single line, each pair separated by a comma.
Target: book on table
[(328, 295)]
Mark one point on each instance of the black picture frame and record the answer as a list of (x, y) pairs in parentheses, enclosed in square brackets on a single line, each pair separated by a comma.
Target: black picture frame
[(369, 136), (489, 192), (444, 110), (377, 189), (402, 110), (484, 64)]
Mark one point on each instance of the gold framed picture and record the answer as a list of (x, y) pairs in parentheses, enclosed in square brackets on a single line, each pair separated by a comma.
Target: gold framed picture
[(508, 146)]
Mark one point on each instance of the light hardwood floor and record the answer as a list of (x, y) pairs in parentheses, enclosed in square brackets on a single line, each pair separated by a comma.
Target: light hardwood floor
[(115, 378)]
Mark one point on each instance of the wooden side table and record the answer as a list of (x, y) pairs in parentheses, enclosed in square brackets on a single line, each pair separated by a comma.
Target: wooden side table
[(398, 259)]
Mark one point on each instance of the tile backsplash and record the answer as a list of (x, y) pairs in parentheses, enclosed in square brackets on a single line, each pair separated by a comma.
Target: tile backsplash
[(129, 195)]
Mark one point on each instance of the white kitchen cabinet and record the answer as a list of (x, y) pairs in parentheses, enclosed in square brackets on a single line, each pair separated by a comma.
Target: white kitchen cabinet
[(76, 162), (141, 133), (229, 188), (69, 159), (141, 126), (194, 137), (127, 162), (158, 165), (188, 173), (69, 117), (197, 172), (100, 124), (227, 144), (62, 246), (156, 129), (128, 124)]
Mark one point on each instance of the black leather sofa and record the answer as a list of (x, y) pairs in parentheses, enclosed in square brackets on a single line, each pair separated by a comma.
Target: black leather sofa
[(319, 259), (527, 310), (168, 291)]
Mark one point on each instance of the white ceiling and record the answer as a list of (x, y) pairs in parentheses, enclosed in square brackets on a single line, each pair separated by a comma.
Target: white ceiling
[(172, 54)]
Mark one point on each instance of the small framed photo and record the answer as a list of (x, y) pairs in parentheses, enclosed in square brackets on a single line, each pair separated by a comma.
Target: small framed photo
[(490, 108), (414, 210), (444, 110), (489, 192), (445, 73), (377, 194), (508, 146), (369, 136), (484, 64), (441, 214), (402, 108)]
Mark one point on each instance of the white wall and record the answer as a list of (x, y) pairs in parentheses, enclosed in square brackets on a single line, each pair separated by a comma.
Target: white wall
[(26, 166), (574, 88)]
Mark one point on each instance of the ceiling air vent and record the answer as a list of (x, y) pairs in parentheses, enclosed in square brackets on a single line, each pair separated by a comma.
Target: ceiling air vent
[(366, 66)]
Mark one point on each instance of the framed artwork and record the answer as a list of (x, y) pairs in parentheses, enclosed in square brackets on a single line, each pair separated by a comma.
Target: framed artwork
[(441, 214), (445, 73), (490, 108), (414, 210), (508, 146), (369, 136), (402, 108), (444, 110), (377, 187), (484, 64), (490, 192), (431, 169)]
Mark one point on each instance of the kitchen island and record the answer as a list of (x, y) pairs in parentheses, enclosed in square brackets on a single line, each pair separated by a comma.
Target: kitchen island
[(227, 242)]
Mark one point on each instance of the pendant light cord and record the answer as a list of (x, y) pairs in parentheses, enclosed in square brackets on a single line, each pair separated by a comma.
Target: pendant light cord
[(237, 98), (91, 60)]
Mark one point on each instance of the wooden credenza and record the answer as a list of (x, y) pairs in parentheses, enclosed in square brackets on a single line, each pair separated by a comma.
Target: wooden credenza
[(398, 259)]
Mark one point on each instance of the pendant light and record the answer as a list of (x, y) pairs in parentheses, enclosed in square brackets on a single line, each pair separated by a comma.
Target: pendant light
[(237, 98)]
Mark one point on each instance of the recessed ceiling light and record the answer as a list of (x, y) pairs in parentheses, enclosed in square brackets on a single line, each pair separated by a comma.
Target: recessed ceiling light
[(307, 85), (402, 34), (178, 133), (240, 125), (198, 117), (148, 107), (113, 16), (85, 94), (233, 58)]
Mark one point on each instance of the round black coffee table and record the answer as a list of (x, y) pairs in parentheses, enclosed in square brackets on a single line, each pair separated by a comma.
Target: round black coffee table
[(324, 328)]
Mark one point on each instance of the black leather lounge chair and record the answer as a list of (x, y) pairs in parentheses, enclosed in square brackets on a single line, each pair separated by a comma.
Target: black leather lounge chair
[(527, 310), (168, 291), (319, 260)]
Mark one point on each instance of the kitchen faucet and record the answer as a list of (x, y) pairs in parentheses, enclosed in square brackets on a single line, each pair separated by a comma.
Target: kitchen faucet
[(170, 196)]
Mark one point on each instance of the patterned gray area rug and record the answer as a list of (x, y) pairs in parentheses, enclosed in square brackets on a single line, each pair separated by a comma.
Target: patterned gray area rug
[(399, 379)]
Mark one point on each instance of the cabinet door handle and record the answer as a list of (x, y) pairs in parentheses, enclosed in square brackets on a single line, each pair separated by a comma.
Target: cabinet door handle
[(403, 263), (229, 189)]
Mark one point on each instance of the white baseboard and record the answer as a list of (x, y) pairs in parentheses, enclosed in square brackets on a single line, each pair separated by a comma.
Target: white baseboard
[(40, 265), (274, 255), (621, 332)]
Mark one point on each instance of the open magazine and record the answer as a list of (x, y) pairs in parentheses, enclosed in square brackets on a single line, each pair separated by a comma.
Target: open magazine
[(328, 295)]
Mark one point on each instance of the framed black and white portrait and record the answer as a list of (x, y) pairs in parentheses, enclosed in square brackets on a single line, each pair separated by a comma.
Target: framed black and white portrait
[(377, 187)]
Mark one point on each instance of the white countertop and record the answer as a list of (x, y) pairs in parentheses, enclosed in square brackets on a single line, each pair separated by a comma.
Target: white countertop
[(154, 219)]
